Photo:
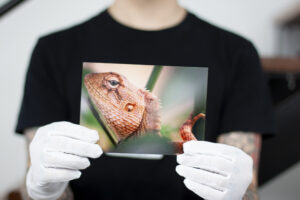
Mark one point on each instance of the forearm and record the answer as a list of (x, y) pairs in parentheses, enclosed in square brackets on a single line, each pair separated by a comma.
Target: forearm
[(250, 143), (67, 195)]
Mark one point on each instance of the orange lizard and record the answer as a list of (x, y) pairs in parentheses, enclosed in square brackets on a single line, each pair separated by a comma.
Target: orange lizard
[(128, 110)]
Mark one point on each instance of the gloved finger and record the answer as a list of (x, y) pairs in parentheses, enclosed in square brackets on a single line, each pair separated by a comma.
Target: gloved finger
[(63, 160), (73, 146), (211, 163), (208, 148), (52, 175), (75, 131), (202, 176), (204, 191)]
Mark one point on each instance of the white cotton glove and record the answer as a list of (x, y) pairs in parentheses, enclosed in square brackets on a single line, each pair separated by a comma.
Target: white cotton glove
[(57, 152), (215, 171)]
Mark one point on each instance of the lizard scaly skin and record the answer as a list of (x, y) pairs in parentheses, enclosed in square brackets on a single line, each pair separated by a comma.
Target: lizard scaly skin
[(128, 110)]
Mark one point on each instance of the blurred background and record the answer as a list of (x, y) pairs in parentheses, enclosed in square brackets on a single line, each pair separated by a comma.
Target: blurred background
[(273, 26)]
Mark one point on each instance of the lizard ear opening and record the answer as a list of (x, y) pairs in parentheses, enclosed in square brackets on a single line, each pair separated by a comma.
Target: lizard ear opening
[(129, 107)]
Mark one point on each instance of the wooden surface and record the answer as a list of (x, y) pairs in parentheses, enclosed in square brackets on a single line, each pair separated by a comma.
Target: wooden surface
[(281, 65)]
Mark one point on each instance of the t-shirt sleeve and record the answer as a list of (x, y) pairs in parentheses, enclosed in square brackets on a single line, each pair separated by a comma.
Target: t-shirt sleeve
[(248, 105), (42, 101)]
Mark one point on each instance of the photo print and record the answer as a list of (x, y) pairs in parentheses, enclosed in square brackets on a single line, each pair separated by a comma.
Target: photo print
[(150, 109)]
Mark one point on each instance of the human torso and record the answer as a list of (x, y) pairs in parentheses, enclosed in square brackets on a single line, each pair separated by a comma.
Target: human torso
[(191, 43)]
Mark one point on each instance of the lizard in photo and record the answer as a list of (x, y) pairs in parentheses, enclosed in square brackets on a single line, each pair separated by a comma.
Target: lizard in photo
[(130, 111)]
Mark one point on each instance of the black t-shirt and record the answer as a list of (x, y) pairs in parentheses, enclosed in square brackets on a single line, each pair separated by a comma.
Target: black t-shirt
[(237, 100)]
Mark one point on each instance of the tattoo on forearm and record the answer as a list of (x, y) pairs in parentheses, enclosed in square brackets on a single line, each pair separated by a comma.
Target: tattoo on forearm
[(250, 143)]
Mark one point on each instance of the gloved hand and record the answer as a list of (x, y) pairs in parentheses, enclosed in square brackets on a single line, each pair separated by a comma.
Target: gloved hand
[(215, 171), (57, 152)]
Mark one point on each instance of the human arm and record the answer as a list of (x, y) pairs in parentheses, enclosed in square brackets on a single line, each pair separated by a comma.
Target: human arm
[(250, 143), (57, 152)]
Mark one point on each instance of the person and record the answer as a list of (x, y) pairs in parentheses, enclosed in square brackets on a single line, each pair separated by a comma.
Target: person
[(64, 156)]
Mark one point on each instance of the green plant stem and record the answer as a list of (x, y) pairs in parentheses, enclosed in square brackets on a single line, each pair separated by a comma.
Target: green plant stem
[(153, 77)]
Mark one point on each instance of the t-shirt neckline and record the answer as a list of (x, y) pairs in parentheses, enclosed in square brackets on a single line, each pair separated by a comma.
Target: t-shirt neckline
[(114, 23)]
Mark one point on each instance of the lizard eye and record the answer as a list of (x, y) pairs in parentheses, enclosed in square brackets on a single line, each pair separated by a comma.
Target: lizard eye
[(114, 82)]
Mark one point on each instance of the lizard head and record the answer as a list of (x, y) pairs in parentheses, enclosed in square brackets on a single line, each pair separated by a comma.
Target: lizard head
[(121, 104)]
